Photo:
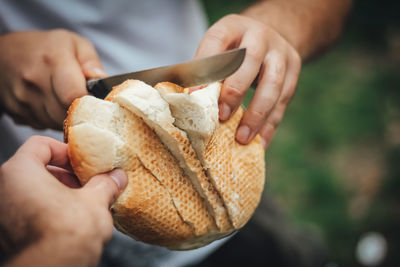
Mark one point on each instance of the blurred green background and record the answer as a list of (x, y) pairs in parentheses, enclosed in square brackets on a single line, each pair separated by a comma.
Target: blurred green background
[(334, 163)]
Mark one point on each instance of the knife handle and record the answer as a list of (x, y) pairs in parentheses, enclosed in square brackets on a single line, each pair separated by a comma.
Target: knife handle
[(97, 88)]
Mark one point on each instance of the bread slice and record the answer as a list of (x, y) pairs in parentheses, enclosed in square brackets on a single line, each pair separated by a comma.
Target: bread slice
[(146, 102), (195, 113)]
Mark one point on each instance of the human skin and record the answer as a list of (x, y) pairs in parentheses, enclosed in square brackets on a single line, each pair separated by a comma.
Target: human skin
[(45, 72), (279, 35), (46, 218)]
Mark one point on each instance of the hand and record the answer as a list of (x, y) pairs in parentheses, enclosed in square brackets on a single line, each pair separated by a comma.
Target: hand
[(37, 209), (270, 58), (42, 73)]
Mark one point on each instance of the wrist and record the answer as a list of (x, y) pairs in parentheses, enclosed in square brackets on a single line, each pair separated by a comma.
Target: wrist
[(59, 249)]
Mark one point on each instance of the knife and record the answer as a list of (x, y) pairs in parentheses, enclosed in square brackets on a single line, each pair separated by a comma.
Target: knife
[(187, 74)]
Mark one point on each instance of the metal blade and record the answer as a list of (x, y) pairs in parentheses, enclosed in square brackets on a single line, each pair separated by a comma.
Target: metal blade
[(188, 74)]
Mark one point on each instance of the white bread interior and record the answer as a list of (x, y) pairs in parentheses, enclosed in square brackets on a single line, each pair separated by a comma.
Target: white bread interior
[(195, 113)]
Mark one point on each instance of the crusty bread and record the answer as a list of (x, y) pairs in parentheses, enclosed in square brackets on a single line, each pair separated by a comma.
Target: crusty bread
[(134, 96), (173, 199)]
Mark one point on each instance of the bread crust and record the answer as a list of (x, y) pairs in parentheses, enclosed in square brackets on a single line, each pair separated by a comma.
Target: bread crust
[(161, 205)]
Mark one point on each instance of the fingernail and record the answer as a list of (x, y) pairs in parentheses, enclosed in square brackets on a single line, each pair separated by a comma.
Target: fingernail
[(243, 134), (97, 72), (119, 178), (92, 70), (224, 111), (264, 143)]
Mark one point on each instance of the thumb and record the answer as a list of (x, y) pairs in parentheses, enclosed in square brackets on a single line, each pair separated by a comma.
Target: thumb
[(88, 59), (106, 187)]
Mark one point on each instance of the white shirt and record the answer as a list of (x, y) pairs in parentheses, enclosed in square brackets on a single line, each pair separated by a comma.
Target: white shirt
[(128, 35)]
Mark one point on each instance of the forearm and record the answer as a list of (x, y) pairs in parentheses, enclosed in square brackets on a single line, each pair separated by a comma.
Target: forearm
[(310, 26), (65, 251)]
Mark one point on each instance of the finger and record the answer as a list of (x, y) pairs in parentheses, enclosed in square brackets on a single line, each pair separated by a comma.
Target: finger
[(68, 82), (64, 176), (268, 130), (289, 87), (88, 59), (222, 35), (105, 188), (266, 96), (46, 151), (225, 33), (235, 87)]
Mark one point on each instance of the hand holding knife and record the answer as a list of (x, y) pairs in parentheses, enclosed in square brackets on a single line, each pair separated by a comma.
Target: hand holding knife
[(188, 74)]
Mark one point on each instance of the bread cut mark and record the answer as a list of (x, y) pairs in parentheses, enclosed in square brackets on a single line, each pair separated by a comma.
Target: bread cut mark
[(237, 171), (166, 169), (147, 207), (99, 146), (201, 107), (131, 95), (156, 158)]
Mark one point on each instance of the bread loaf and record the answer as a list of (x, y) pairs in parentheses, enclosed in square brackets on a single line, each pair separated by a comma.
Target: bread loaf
[(190, 182)]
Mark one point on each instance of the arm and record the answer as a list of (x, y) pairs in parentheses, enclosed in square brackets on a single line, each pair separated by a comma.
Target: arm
[(310, 26), (58, 251), (44, 222), (278, 36)]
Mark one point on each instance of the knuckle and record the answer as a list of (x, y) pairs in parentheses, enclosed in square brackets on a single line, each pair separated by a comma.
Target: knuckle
[(231, 17), (233, 90), (218, 35), (260, 113), (106, 184), (288, 94), (256, 115), (59, 32), (272, 125), (48, 58), (20, 95), (276, 80), (296, 57), (262, 31), (68, 97), (296, 60), (268, 104), (256, 53), (29, 75), (36, 139)]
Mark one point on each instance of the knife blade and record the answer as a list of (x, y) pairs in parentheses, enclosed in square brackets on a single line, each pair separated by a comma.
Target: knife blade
[(187, 74)]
